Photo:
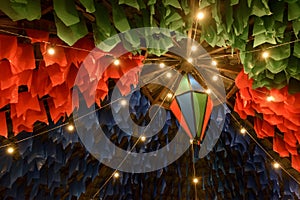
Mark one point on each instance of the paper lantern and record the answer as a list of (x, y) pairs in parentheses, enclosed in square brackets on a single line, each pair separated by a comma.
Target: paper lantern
[(192, 107)]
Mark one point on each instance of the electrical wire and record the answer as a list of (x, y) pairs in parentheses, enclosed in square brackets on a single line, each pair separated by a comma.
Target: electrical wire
[(264, 150), (86, 50), (63, 46), (75, 119), (258, 144), (194, 171), (124, 159)]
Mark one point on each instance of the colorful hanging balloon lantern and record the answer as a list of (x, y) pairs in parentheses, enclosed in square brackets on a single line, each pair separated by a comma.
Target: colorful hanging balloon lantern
[(192, 107)]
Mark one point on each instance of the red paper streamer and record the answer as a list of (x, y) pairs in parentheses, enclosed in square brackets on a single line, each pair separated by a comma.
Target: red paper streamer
[(283, 113), (54, 78), (3, 126)]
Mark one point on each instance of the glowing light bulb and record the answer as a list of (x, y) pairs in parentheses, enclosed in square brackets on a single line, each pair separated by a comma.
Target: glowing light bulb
[(143, 138), (265, 54), (51, 51), (193, 48), (276, 165), (10, 150), (70, 127), (270, 98), (190, 60), (123, 102), (117, 62), (116, 175), (214, 63), (243, 130), (195, 180), (162, 65), (169, 95), (208, 91), (215, 78), (200, 15), (169, 75)]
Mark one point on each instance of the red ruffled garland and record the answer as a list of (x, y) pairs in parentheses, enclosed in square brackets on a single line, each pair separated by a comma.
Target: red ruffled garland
[(283, 112), (54, 77)]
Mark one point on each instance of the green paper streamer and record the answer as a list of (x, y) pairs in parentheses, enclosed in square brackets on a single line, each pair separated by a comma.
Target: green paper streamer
[(66, 11)]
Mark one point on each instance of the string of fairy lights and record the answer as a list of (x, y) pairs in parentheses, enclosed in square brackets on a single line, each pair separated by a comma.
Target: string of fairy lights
[(276, 165), (265, 54), (141, 137)]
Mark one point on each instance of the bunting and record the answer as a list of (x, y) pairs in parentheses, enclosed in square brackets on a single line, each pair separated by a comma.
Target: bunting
[(57, 166), (279, 109), (51, 81)]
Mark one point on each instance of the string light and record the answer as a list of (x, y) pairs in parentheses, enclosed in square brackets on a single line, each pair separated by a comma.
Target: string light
[(64, 124), (169, 95), (265, 54), (162, 65), (60, 45), (243, 130), (276, 165), (116, 175), (208, 91), (70, 127), (117, 62), (200, 15), (266, 152), (51, 51), (195, 180), (123, 102), (10, 150), (215, 78), (123, 160), (108, 54), (190, 60), (169, 75), (270, 98), (193, 48), (214, 63), (143, 138)]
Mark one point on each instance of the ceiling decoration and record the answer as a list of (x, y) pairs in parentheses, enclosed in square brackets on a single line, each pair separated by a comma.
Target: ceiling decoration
[(254, 44), (279, 110), (194, 115), (52, 81), (56, 165), (71, 23), (255, 27)]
